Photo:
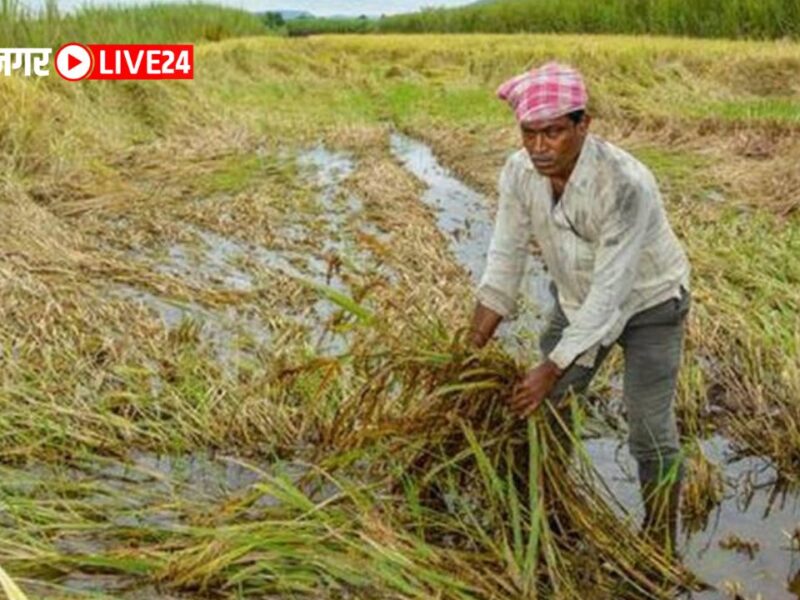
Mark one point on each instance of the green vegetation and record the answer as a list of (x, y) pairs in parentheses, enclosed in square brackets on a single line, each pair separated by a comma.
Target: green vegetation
[(308, 26), (154, 23), (707, 18), (779, 109)]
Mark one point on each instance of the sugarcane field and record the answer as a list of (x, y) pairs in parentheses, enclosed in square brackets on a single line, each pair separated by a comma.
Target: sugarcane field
[(487, 302)]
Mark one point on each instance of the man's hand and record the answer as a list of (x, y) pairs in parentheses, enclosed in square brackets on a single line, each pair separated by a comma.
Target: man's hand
[(533, 389)]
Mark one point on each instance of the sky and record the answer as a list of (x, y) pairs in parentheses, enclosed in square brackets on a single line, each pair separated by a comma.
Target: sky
[(317, 7)]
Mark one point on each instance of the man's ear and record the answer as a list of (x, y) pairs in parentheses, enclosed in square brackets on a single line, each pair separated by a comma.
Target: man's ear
[(583, 125)]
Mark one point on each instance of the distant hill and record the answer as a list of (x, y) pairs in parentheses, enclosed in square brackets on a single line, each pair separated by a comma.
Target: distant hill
[(288, 15), (345, 17)]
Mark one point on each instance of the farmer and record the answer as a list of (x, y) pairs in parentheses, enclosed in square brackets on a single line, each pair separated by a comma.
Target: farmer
[(619, 274)]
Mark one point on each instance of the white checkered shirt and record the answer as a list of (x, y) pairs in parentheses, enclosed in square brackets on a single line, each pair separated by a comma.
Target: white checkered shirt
[(606, 243)]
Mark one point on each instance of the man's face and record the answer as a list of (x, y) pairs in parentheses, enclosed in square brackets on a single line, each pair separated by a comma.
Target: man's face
[(554, 144)]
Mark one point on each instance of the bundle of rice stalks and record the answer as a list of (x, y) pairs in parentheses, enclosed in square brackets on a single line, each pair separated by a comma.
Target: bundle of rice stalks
[(519, 502)]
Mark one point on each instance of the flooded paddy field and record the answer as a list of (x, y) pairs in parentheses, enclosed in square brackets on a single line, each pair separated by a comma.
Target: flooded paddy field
[(234, 361)]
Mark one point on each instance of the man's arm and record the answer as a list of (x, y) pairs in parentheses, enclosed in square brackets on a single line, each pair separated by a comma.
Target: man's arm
[(484, 324), (505, 260)]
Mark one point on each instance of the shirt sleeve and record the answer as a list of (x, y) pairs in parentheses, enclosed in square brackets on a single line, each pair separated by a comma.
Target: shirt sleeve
[(619, 246), (508, 249)]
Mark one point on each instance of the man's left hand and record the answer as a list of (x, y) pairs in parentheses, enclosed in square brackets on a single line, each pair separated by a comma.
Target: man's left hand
[(529, 393)]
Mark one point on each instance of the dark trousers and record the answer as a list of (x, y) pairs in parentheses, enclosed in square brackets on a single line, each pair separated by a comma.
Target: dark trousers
[(651, 342)]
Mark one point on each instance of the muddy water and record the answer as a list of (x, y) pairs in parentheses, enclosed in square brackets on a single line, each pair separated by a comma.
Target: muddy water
[(750, 512), (342, 211), (216, 261), (199, 478), (747, 511), (151, 492)]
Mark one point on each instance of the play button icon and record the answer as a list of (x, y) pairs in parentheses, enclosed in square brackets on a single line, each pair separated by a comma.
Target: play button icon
[(74, 61)]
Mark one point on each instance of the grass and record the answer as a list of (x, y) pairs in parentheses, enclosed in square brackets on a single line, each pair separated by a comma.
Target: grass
[(777, 109), (386, 466), (710, 18), (151, 24), (237, 172)]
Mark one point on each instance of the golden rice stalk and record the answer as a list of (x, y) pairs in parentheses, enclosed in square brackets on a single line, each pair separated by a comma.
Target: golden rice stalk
[(10, 589)]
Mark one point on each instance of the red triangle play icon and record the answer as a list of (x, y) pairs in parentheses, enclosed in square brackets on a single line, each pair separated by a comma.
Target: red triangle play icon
[(72, 62)]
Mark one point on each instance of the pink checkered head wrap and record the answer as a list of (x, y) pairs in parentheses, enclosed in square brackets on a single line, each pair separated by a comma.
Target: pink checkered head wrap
[(547, 92)]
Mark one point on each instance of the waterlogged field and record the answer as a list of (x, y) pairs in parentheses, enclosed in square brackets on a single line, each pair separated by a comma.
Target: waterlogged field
[(233, 313)]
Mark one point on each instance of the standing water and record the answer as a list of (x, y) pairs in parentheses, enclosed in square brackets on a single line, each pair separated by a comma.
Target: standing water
[(463, 216)]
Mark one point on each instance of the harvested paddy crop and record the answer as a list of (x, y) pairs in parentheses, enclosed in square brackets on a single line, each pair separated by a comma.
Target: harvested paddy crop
[(231, 324)]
